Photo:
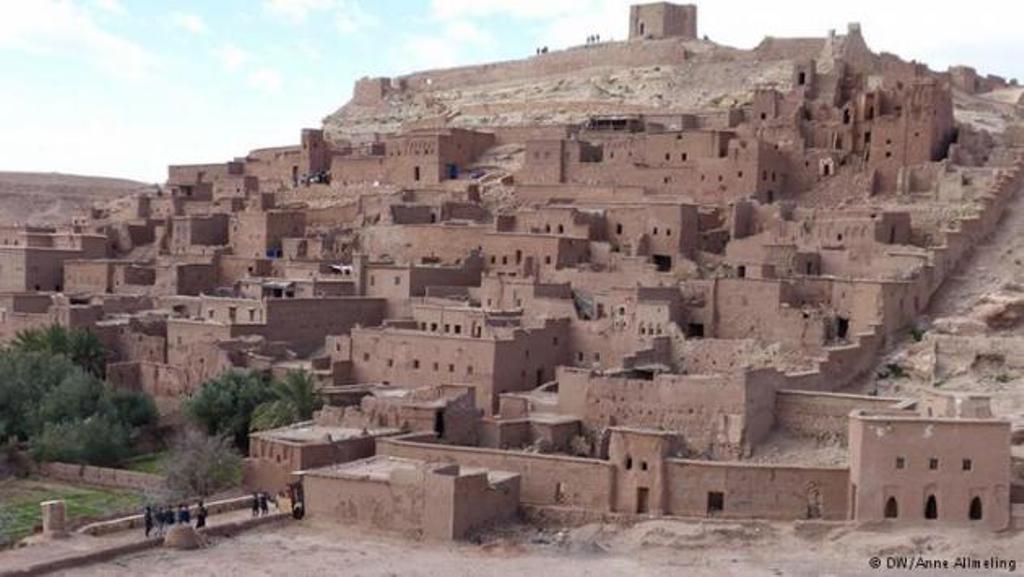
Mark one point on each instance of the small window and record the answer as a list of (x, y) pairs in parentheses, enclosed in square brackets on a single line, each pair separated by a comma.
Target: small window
[(629, 463), (451, 368), (391, 363), (933, 464), (901, 463), (968, 465), (416, 363), (398, 280), (716, 502), (366, 357)]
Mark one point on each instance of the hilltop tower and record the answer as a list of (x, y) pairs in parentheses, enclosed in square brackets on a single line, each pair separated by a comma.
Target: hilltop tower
[(663, 20)]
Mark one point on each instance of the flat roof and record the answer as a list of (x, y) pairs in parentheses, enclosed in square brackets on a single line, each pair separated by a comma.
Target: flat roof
[(380, 467), (310, 432)]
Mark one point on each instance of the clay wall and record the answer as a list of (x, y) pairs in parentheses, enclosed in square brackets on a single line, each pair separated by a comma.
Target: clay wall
[(911, 459), (103, 476), (756, 491), (546, 479), (720, 416), (822, 415)]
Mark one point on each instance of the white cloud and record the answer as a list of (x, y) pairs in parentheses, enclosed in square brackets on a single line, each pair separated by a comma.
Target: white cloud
[(308, 49), (265, 79), (232, 57), (189, 22), (349, 17), (112, 6), (62, 28), (454, 45), (296, 10)]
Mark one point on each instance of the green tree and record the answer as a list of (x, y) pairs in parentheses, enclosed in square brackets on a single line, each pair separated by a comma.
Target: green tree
[(66, 413), (81, 346), (201, 465), (296, 399), (95, 440), (224, 405)]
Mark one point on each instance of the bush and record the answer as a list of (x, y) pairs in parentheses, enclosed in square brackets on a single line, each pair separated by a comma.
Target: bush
[(66, 413), (224, 405), (97, 440), (201, 465)]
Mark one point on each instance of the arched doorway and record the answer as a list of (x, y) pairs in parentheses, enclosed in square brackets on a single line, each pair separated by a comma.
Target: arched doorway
[(931, 508), (814, 502), (975, 512), (892, 509)]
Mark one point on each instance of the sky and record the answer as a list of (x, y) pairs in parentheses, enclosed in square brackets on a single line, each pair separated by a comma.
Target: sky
[(125, 87)]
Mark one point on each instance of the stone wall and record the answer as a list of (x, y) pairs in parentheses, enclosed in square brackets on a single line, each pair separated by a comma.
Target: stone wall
[(814, 414), (103, 476), (546, 479)]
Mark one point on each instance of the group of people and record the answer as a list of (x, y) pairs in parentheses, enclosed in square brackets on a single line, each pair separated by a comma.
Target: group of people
[(542, 50), (593, 39), (260, 504), (157, 519)]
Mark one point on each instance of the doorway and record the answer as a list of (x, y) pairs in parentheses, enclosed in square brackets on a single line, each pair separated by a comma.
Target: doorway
[(642, 500)]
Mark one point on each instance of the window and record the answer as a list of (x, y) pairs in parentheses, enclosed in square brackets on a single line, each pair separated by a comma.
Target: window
[(629, 463), (901, 463), (435, 367), (933, 464), (469, 369), (458, 329), (967, 465), (451, 368), (447, 328), (366, 357), (618, 228), (415, 363), (716, 502), (391, 363), (398, 280)]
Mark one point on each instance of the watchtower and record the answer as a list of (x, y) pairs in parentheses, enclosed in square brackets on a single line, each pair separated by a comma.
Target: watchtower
[(663, 20)]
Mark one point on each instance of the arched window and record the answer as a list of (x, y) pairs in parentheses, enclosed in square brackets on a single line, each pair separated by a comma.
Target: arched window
[(931, 508), (892, 510), (975, 512)]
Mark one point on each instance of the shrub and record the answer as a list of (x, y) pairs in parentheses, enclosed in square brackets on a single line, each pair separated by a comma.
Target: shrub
[(224, 405), (96, 440), (201, 465)]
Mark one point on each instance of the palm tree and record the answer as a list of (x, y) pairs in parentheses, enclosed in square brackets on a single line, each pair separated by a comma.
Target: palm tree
[(296, 400), (80, 346)]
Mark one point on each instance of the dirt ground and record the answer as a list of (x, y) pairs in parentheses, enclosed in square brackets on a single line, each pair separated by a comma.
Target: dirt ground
[(654, 548)]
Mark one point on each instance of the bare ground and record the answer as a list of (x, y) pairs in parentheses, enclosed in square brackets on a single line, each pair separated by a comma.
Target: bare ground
[(53, 198), (657, 547)]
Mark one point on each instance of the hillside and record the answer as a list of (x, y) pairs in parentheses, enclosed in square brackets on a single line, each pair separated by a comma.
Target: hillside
[(655, 77), (53, 198)]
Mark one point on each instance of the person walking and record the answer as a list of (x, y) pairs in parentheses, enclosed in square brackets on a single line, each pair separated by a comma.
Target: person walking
[(264, 504), (147, 520), (158, 515), (201, 513), (255, 504), (184, 517)]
